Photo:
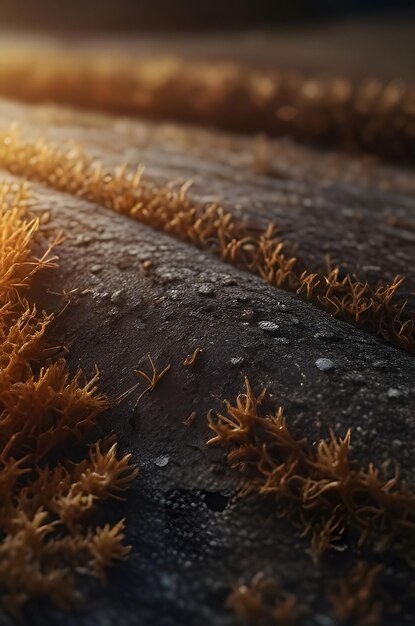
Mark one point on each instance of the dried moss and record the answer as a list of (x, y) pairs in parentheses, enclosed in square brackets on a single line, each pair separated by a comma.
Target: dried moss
[(368, 114), (170, 209), (47, 496), (264, 602), (325, 493), (355, 599)]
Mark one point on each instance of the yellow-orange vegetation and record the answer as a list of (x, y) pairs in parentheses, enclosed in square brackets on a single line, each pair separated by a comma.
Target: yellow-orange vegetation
[(373, 115), (354, 599), (320, 488), (47, 494), (264, 601), (170, 209), (152, 381)]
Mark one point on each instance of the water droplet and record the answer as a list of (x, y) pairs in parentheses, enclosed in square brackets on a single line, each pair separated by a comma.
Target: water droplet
[(325, 365), (268, 327), (206, 290), (117, 297), (248, 315), (237, 361), (394, 394), (161, 461)]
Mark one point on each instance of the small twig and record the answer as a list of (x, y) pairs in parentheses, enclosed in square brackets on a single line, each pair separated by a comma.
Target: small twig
[(188, 421), (191, 358), (153, 379)]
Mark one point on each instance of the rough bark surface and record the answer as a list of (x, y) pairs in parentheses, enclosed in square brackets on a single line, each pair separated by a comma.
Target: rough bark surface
[(193, 537)]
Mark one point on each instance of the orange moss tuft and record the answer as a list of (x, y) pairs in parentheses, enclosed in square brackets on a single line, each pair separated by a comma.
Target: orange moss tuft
[(170, 209), (47, 500), (321, 489), (264, 601), (354, 599), (17, 264), (369, 114)]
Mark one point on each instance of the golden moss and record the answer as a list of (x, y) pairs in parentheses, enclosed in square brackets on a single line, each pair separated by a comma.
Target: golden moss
[(264, 601), (47, 498), (321, 489), (17, 265), (171, 210), (354, 599), (369, 114)]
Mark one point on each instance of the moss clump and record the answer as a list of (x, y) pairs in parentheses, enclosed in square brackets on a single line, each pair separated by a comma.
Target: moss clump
[(320, 488), (171, 210), (49, 489)]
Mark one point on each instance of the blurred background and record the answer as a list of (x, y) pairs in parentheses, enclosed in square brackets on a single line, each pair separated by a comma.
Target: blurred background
[(346, 67), (181, 15)]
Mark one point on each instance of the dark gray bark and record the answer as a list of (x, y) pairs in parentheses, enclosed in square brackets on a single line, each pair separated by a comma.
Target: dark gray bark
[(192, 537)]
